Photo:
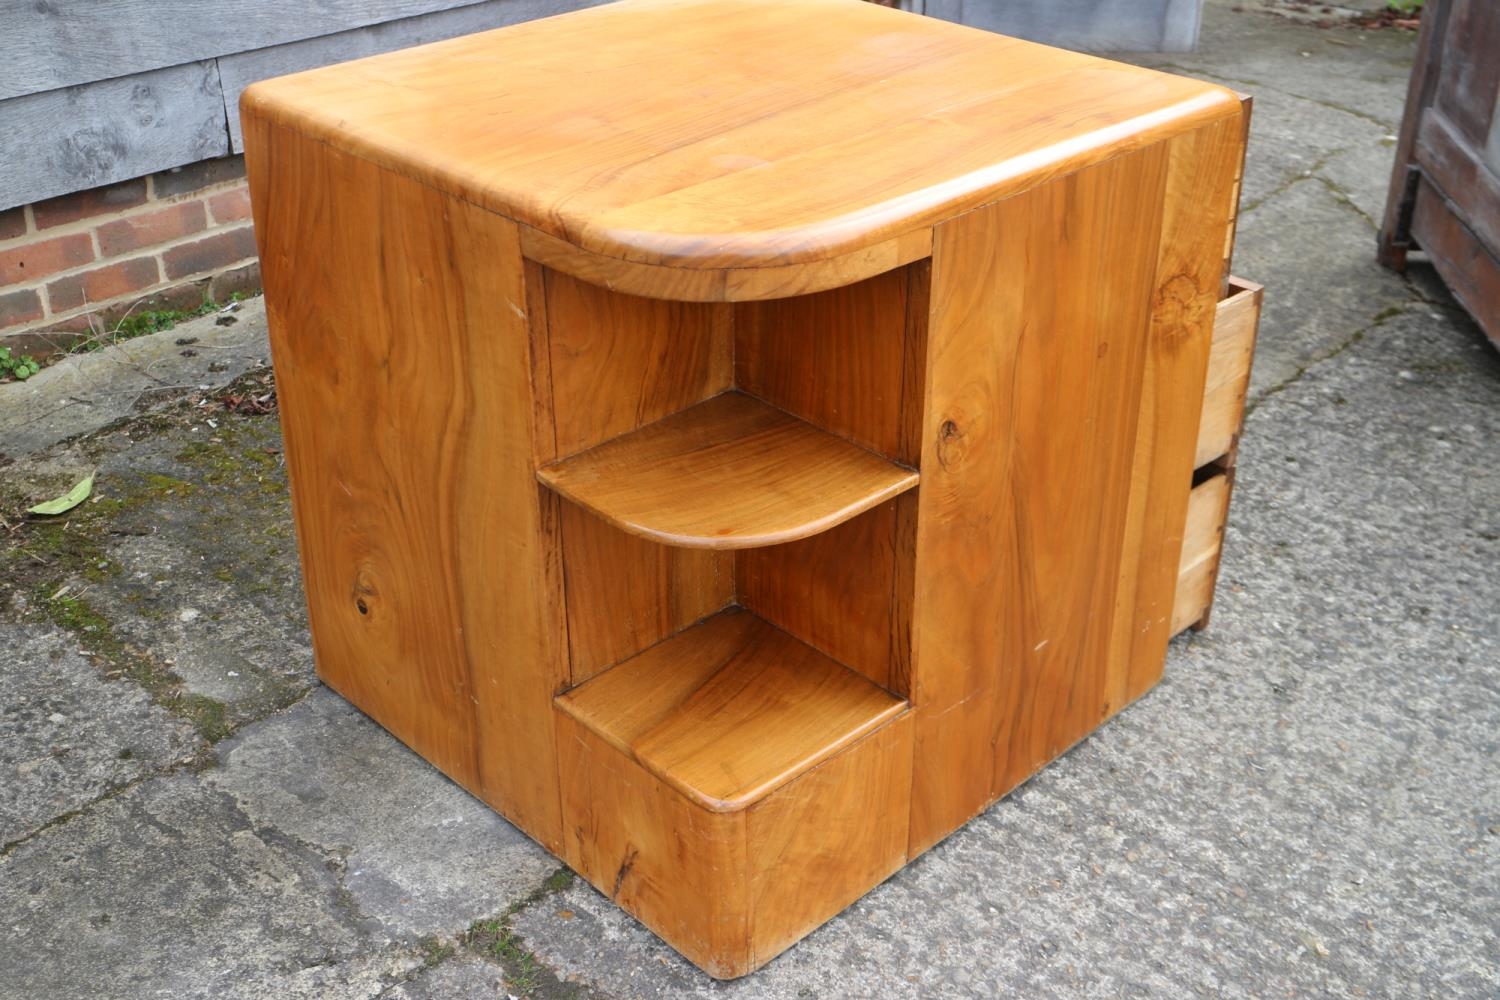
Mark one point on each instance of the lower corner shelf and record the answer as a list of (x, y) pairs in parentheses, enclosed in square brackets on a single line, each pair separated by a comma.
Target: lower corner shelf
[(731, 709)]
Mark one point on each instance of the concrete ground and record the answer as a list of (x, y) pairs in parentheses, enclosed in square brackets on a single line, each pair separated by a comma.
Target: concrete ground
[(1307, 806)]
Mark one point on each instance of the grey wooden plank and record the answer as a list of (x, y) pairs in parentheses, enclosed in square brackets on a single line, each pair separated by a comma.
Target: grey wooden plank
[(61, 43), (1090, 25), (948, 10), (81, 137), (240, 70)]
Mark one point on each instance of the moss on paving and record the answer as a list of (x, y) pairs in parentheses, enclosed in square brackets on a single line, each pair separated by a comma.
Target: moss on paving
[(525, 974), (49, 562), (97, 637)]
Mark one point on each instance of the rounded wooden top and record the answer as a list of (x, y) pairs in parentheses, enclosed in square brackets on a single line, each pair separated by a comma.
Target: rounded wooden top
[(724, 136)]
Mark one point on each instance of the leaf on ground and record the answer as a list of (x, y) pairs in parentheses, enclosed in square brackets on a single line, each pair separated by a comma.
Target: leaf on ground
[(60, 505)]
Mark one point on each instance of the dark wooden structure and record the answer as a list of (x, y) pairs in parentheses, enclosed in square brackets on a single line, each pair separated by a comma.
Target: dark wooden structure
[(1445, 189)]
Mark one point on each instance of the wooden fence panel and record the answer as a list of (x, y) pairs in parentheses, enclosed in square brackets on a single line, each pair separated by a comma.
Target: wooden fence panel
[(81, 137), (242, 69), (46, 46)]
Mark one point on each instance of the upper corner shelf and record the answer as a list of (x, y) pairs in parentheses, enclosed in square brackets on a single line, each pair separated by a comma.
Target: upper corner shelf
[(729, 473)]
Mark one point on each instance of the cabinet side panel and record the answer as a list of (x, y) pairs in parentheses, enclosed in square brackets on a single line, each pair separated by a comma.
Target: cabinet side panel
[(1040, 315), (1201, 166), (398, 329)]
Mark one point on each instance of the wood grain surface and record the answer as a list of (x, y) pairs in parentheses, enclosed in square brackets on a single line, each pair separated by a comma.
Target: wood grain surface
[(406, 501), (1203, 537), (604, 438), (730, 709), (1235, 324), (619, 362), (1196, 211), (63, 140), (729, 473), (626, 593), (1061, 420), (730, 890), (777, 133)]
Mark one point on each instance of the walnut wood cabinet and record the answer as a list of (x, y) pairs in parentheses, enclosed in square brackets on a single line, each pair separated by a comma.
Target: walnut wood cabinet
[(742, 455)]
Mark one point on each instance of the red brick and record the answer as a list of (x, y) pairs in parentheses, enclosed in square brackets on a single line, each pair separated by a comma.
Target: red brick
[(86, 204), (41, 343), (151, 228), (12, 223), (230, 206), (102, 283), (34, 261), (20, 307), (210, 253), (186, 296)]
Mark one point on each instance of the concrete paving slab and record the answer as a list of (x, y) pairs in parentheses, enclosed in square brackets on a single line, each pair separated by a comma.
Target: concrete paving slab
[(464, 978), (186, 548), (420, 855), (1292, 138), (87, 391), (68, 736), (1361, 72), (170, 890), (1317, 253)]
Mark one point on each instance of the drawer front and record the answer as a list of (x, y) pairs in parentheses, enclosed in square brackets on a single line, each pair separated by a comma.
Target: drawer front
[(1235, 323), (1208, 505)]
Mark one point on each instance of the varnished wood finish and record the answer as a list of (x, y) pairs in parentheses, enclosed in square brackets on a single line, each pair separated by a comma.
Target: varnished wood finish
[(619, 362), (787, 350), (731, 709), (729, 473), (405, 508), (740, 473), (679, 868), (731, 890), (625, 593), (1032, 396), (845, 591), (1186, 285), (816, 846), (742, 284), (1235, 324), (835, 126)]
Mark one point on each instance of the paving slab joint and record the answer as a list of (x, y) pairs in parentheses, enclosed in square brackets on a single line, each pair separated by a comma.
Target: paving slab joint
[(1381, 319), (494, 939)]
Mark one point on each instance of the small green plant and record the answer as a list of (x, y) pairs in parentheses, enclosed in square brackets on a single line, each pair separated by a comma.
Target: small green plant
[(21, 368), (1406, 8)]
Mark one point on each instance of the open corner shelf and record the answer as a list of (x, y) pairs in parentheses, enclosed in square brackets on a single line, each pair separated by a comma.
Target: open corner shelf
[(731, 472), (730, 709)]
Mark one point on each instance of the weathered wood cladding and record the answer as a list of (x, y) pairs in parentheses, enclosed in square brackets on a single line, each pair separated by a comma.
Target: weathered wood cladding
[(91, 94)]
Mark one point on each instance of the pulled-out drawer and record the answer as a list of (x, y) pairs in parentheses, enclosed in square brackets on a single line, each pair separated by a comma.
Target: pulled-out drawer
[(1228, 371), (1202, 539)]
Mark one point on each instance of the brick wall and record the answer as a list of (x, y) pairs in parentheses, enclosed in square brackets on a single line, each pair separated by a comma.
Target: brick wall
[(79, 262)]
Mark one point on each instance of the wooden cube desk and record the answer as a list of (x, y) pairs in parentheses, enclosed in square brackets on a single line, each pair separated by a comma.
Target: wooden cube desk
[(740, 441)]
